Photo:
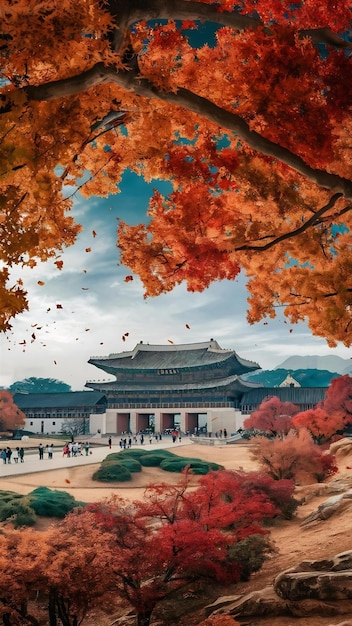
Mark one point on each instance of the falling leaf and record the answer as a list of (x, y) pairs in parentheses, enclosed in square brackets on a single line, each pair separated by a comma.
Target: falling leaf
[(55, 363), (84, 271), (41, 283), (187, 326), (67, 481), (126, 334), (49, 309), (101, 343), (170, 341), (123, 338), (59, 264), (22, 343), (59, 306), (33, 337), (88, 249), (128, 279), (94, 233), (85, 288), (291, 330), (86, 329)]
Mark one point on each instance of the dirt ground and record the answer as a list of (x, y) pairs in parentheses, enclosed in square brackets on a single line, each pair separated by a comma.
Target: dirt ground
[(293, 542)]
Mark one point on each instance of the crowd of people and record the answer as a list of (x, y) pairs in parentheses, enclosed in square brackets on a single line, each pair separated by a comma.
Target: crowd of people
[(75, 448), (16, 455)]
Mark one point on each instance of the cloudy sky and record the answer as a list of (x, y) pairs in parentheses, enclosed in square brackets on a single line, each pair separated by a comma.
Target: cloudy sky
[(99, 307)]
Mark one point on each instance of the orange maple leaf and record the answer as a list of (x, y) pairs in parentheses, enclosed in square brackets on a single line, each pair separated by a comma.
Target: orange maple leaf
[(128, 279)]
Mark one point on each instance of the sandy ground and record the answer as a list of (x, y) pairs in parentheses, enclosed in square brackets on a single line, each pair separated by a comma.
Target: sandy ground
[(293, 542), (78, 480)]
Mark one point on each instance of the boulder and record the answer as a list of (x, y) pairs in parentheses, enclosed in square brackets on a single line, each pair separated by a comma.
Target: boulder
[(328, 579), (311, 588)]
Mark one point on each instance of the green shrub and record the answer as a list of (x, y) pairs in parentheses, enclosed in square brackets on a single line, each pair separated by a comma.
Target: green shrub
[(250, 553), (112, 471), (114, 456), (152, 459), (196, 465), (7, 496), (135, 453), (132, 464), (19, 512), (52, 503)]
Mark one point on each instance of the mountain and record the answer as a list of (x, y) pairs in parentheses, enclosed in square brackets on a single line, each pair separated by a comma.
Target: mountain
[(331, 363), (305, 377)]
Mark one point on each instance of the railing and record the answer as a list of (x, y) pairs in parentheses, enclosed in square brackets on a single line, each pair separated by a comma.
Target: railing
[(171, 405)]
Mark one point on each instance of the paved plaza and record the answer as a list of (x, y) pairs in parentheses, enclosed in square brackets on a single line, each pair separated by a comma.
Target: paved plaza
[(98, 452)]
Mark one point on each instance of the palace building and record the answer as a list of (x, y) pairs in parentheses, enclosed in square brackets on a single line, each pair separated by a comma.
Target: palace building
[(195, 388), (190, 387)]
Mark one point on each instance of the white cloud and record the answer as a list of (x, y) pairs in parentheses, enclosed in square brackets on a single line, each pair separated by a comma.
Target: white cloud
[(101, 301)]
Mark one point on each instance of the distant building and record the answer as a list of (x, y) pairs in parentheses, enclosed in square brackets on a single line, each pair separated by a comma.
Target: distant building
[(289, 381), (189, 386), (196, 387), (46, 412)]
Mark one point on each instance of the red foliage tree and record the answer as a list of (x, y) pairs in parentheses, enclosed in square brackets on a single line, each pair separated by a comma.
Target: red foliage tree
[(295, 457), (11, 417), (338, 399), (321, 424), (272, 416), (178, 535)]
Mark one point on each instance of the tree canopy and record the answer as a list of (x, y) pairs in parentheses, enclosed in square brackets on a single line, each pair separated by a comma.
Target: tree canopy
[(39, 385), (11, 417), (253, 130)]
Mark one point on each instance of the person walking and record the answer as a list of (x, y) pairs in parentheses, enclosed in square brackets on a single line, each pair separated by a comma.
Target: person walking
[(4, 455), (41, 451), (15, 455), (50, 450), (21, 455), (86, 447), (8, 454), (110, 442)]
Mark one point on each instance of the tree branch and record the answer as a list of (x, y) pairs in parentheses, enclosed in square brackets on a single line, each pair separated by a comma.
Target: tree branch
[(190, 101), (298, 231)]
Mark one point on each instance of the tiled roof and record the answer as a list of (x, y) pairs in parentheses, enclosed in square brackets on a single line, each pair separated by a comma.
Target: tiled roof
[(235, 381), (63, 400), (296, 395), (152, 357)]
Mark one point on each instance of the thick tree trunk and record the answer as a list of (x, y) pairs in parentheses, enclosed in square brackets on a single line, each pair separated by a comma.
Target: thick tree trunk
[(143, 619)]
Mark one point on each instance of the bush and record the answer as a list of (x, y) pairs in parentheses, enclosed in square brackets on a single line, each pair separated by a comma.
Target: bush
[(19, 512), (197, 466), (112, 471), (132, 464), (152, 459), (134, 453), (52, 503), (250, 553)]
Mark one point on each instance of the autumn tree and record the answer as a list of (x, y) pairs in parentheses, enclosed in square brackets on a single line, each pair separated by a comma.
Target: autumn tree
[(11, 417), (295, 457), (252, 129), (178, 535), (56, 575), (333, 415), (273, 417)]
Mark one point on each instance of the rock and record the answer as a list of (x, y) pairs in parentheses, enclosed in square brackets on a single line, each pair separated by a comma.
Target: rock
[(311, 588), (329, 507), (328, 579)]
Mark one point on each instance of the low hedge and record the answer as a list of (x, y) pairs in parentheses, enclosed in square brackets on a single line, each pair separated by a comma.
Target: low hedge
[(132, 464), (153, 459), (196, 465), (19, 512), (112, 471), (51, 502)]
